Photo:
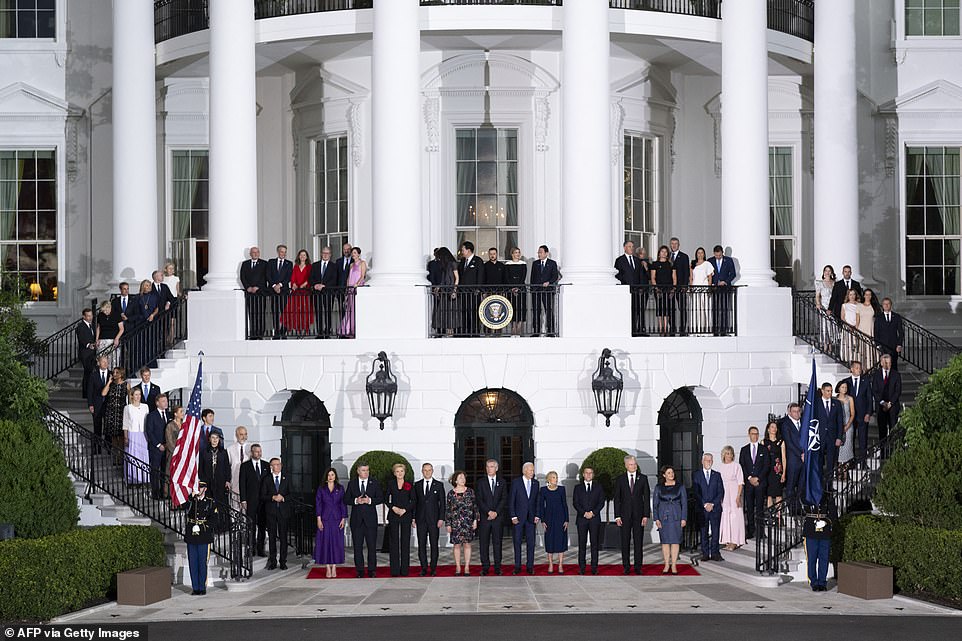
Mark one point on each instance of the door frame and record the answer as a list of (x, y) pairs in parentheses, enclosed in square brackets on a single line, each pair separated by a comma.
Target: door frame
[(680, 413)]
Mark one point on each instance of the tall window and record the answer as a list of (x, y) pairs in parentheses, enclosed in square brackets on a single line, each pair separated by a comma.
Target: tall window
[(28, 219), (782, 214), (28, 19), (931, 17), (641, 193), (190, 208), (487, 188), (330, 197), (932, 221)]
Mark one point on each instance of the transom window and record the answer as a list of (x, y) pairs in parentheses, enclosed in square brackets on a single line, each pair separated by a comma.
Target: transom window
[(28, 219), (932, 221), (331, 203), (931, 17), (641, 192), (487, 188), (28, 19), (782, 219)]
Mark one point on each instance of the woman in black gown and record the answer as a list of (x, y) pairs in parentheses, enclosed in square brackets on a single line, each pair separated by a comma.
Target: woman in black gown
[(516, 275), (215, 470), (665, 278), (399, 499), (445, 317)]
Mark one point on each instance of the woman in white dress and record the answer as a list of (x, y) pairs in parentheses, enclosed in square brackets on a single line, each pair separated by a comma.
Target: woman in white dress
[(700, 300), (823, 296), (850, 342), (135, 440), (866, 325)]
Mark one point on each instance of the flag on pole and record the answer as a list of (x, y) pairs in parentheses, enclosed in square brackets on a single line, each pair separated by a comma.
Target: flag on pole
[(811, 445), (183, 463)]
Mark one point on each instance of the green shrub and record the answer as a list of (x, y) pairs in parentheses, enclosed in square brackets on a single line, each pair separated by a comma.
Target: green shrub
[(38, 497), (938, 405), (381, 462), (925, 559), (922, 484), (47, 577), (608, 463)]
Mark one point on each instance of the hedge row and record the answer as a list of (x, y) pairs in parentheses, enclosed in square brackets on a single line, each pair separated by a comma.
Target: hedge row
[(46, 577), (925, 559)]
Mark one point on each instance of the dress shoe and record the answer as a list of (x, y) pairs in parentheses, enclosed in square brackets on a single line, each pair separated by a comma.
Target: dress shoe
[(516, 571), (262, 554), (423, 572), (530, 570), (204, 592), (497, 571), (360, 574), (484, 572), (197, 592), (434, 572), (594, 571), (371, 574), (271, 565), (638, 571), (717, 557), (627, 571), (283, 566), (581, 571)]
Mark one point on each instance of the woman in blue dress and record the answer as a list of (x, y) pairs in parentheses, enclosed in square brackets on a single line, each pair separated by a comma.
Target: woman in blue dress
[(553, 512), (331, 514), (669, 506)]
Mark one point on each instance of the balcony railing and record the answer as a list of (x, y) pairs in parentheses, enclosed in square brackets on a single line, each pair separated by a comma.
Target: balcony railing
[(494, 310), (174, 18), (301, 314), (683, 311)]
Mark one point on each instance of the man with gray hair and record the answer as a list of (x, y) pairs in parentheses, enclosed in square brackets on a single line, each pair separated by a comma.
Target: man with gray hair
[(492, 498), (709, 491), (523, 507), (632, 510)]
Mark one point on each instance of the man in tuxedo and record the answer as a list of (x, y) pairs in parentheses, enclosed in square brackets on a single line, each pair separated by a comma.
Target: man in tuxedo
[(682, 264), (253, 277), (723, 278), (154, 430), (148, 391), (709, 492), (840, 291), (790, 428), (860, 389), (95, 399), (344, 265), (470, 274), (544, 281), (323, 281), (252, 474), (628, 272), (86, 346), (889, 332), (828, 413), (237, 453), (429, 505), (275, 488), (363, 494), (279, 272), (588, 501), (632, 510), (887, 394), (523, 509), (755, 464), (491, 495)]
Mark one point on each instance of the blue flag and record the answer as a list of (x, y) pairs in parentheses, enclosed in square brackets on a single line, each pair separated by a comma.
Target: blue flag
[(811, 445)]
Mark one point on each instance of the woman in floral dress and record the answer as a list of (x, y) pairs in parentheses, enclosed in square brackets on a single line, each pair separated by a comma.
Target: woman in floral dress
[(461, 520)]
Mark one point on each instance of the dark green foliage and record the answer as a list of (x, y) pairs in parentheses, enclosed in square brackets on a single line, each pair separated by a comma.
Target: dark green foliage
[(38, 497), (922, 484), (925, 559), (16, 330), (381, 463), (47, 577), (608, 463), (938, 405)]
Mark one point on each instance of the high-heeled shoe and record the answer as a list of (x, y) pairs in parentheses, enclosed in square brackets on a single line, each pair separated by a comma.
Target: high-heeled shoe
[(674, 569), (561, 569), (665, 571)]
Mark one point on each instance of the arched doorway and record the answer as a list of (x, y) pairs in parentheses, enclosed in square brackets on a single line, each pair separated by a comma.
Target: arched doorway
[(493, 424), (680, 442), (305, 443)]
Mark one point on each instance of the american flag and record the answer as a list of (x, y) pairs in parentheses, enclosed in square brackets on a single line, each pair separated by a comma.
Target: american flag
[(183, 464)]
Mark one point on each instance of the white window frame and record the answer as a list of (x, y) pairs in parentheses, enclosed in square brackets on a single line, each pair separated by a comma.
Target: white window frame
[(656, 201), (312, 196), (796, 205)]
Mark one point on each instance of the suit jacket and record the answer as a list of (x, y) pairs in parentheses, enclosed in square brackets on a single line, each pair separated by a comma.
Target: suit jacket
[(627, 275), (793, 446), (254, 275), (363, 515), (830, 423), (163, 294), (758, 468), (207, 473), (493, 273), (328, 279), (275, 509), (471, 272), (343, 271), (151, 397), (400, 498), (864, 400), (249, 486), (280, 274), (154, 426), (632, 506), (95, 387), (488, 502), (583, 502), (85, 336), (428, 510), (887, 390), (547, 274), (145, 304), (522, 506), (132, 314), (839, 292), (724, 272), (889, 334), (712, 491), (683, 268)]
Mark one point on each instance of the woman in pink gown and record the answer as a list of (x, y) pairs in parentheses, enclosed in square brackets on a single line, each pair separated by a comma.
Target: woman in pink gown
[(733, 517), (355, 279), (299, 311)]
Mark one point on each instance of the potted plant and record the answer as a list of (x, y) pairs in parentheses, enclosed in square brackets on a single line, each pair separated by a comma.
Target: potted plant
[(607, 463)]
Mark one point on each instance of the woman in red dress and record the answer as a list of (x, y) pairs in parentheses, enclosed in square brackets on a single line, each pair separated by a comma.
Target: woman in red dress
[(299, 311)]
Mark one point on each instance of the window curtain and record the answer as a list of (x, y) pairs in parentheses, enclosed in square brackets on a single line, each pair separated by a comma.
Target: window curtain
[(935, 177), (781, 196), (11, 172), (8, 16), (187, 172)]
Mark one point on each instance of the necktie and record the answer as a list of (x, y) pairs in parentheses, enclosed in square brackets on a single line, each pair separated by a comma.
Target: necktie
[(527, 488), (588, 486), (754, 452), (885, 377), (146, 391), (707, 476), (103, 377), (427, 487), (123, 304), (848, 285), (257, 468), (631, 262), (323, 268), (491, 479), (543, 263), (888, 317), (277, 484), (253, 264), (631, 483), (363, 487), (674, 256), (163, 414), (828, 407), (856, 386)]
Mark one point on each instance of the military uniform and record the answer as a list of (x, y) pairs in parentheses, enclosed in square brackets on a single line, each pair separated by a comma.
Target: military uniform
[(817, 530), (201, 516)]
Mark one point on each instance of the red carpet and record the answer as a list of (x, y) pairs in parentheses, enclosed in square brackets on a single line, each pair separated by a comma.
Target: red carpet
[(346, 572)]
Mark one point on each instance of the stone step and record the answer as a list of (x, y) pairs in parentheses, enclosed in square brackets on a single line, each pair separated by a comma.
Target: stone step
[(736, 571)]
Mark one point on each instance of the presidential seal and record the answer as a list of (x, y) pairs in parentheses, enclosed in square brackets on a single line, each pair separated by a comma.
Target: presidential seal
[(495, 312)]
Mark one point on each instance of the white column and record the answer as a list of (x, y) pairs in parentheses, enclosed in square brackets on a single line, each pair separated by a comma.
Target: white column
[(744, 139), (586, 217), (836, 138), (233, 141), (135, 223)]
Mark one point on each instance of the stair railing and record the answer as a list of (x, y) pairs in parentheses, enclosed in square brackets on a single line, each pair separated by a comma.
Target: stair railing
[(53, 355)]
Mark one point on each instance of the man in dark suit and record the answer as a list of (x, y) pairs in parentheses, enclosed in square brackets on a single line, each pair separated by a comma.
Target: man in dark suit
[(253, 277), (491, 493), (628, 271), (840, 291), (682, 264), (154, 427), (755, 464), (523, 509), (588, 500), (279, 272), (790, 428), (123, 308), (86, 346), (344, 265), (828, 413), (275, 487), (324, 283), (252, 474), (889, 332), (723, 278), (429, 505), (887, 394), (860, 389), (709, 492), (493, 269), (544, 288), (363, 494), (470, 274), (632, 510), (165, 298), (95, 399), (148, 391)]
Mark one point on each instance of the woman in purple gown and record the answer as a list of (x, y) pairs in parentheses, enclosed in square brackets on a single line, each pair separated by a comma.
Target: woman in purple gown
[(331, 514)]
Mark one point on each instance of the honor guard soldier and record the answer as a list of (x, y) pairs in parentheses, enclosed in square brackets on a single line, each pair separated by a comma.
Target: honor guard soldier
[(817, 530), (201, 515)]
